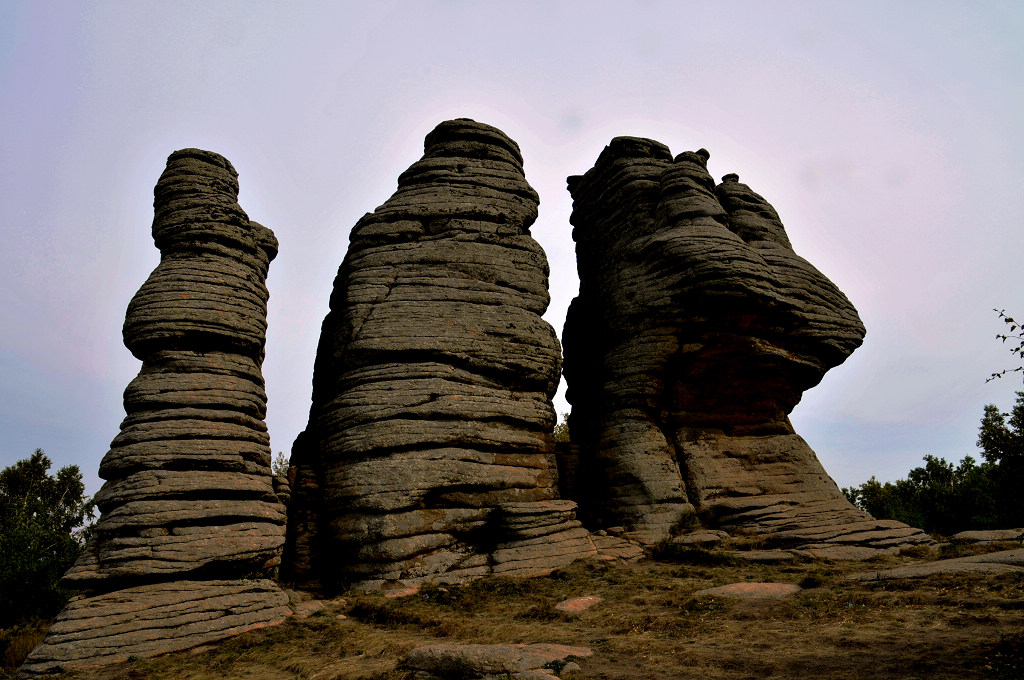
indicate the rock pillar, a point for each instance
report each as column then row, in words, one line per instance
column 431, row 407
column 696, row 331
column 190, row 531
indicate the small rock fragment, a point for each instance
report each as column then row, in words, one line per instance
column 578, row 604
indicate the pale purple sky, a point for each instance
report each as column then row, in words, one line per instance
column 886, row 134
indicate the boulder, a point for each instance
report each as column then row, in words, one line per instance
column 429, row 447
column 696, row 331
column 188, row 510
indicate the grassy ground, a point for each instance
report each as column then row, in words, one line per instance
column 650, row 625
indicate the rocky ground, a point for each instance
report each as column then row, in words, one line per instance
column 682, row 611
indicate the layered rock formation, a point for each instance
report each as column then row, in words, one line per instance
column 191, row 530
column 428, row 452
column 695, row 333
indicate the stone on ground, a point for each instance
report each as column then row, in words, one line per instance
column 751, row 590
column 1003, row 562
column 989, row 536
column 578, row 604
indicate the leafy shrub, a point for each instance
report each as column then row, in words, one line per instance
column 943, row 498
column 40, row 538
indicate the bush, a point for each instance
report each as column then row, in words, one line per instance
column 938, row 498
column 561, row 432
column 941, row 498
column 41, row 536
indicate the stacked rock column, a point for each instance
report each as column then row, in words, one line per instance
column 191, row 531
column 433, row 384
column 695, row 333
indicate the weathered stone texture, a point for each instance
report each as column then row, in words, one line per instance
column 189, row 499
column 695, row 333
column 434, row 375
column 144, row 621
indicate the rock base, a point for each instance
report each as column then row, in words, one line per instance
column 536, row 538
column 775, row 487
column 154, row 619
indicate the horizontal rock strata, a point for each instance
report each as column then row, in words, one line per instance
column 144, row 621
column 189, row 502
column 695, row 333
column 431, row 418
column 1001, row 562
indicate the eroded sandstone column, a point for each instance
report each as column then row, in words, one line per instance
column 190, row 531
column 429, row 452
column 695, row 333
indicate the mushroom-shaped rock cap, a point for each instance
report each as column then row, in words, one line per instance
column 466, row 137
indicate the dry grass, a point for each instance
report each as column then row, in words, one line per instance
column 650, row 625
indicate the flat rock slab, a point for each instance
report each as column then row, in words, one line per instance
column 578, row 604
column 991, row 563
column 522, row 661
column 764, row 556
column 154, row 619
column 751, row 591
column 703, row 537
column 401, row 591
column 989, row 536
column 842, row 552
column 615, row 548
column 304, row 610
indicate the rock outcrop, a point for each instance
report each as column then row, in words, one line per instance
column 190, row 528
column 695, row 333
column 428, row 452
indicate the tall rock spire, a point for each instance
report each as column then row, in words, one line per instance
column 190, row 530
column 429, row 452
column 695, row 333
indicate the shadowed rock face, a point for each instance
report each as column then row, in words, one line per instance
column 188, row 508
column 695, row 333
column 428, row 449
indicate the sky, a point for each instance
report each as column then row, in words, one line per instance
column 887, row 135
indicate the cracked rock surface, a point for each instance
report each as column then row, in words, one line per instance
column 429, row 441
column 188, row 510
column 696, row 331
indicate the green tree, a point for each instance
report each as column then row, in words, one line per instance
column 1001, row 439
column 943, row 498
column 939, row 497
column 41, row 536
column 279, row 466
column 562, row 429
